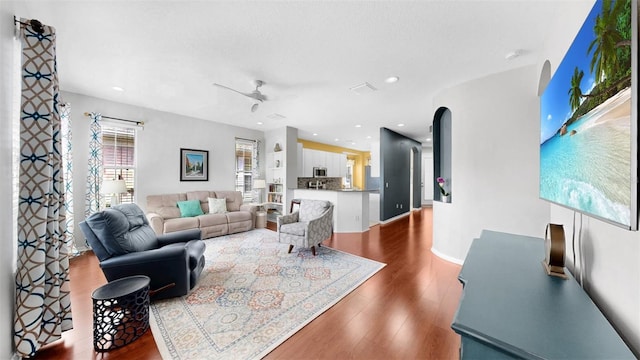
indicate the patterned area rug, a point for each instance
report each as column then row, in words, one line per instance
column 252, row 296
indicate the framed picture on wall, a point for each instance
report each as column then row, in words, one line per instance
column 194, row 165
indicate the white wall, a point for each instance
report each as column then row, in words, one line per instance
column 611, row 269
column 495, row 136
column 158, row 149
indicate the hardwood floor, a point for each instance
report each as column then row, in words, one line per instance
column 402, row 312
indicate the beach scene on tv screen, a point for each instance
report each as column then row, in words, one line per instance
column 585, row 117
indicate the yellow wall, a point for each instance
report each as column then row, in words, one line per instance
column 360, row 158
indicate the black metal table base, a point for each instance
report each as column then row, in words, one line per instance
column 120, row 312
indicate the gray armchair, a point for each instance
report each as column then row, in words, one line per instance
column 307, row 227
column 126, row 245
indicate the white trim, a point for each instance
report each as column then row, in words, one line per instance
column 398, row 217
column 447, row 257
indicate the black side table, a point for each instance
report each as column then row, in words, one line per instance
column 120, row 312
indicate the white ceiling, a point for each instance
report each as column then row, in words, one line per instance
column 166, row 55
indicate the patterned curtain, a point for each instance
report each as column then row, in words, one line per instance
column 67, row 172
column 94, row 200
column 43, row 304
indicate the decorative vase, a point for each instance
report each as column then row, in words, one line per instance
column 444, row 198
column 277, row 147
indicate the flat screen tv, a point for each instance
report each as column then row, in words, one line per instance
column 588, row 119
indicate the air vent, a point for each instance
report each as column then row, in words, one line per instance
column 364, row 88
column 275, row 116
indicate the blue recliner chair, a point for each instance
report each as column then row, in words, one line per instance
column 126, row 245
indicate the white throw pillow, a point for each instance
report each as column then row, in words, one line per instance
column 217, row 206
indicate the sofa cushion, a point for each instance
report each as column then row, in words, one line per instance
column 201, row 196
column 238, row 216
column 217, row 206
column 189, row 208
column 212, row 220
column 296, row 228
column 165, row 205
column 177, row 224
column 234, row 199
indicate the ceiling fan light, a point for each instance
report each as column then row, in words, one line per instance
column 254, row 107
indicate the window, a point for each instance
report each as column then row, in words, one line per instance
column 246, row 167
column 118, row 158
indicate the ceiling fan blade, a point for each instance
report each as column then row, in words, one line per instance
column 257, row 95
column 234, row 90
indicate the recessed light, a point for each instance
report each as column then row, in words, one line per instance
column 358, row 126
column 353, row 143
column 368, row 137
column 392, row 79
column 401, row 125
column 315, row 134
column 259, row 123
column 117, row 88
column 336, row 139
column 428, row 139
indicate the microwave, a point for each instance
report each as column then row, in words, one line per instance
column 319, row 172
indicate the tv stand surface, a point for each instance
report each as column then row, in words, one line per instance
column 512, row 309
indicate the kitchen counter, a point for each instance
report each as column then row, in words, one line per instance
column 350, row 207
column 341, row 190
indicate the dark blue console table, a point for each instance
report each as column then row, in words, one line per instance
column 511, row 309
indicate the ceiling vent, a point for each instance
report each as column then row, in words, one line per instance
column 275, row 116
column 364, row 88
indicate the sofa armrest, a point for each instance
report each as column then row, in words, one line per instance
column 249, row 207
column 253, row 209
column 179, row 236
column 157, row 223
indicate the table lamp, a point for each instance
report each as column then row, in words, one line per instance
column 115, row 188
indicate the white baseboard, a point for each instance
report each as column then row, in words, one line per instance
column 395, row 218
column 446, row 257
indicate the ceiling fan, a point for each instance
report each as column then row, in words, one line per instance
column 255, row 94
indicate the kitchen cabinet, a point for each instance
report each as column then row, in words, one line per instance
column 335, row 163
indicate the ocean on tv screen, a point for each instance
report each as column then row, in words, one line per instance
column 588, row 167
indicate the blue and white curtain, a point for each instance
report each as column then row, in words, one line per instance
column 94, row 199
column 67, row 172
column 43, row 304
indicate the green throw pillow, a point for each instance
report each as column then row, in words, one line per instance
column 190, row 208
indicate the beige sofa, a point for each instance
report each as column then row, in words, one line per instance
column 164, row 215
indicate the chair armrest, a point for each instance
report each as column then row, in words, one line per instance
column 287, row 219
column 157, row 223
column 179, row 236
column 320, row 228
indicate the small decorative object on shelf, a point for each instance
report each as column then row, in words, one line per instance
column 444, row 194
column 277, row 148
column 277, row 163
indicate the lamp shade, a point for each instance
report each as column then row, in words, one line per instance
column 259, row 184
column 113, row 187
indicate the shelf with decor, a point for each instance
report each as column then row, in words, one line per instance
column 276, row 174
column 274, row 200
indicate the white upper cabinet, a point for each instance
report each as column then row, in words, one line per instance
column 335, row 163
